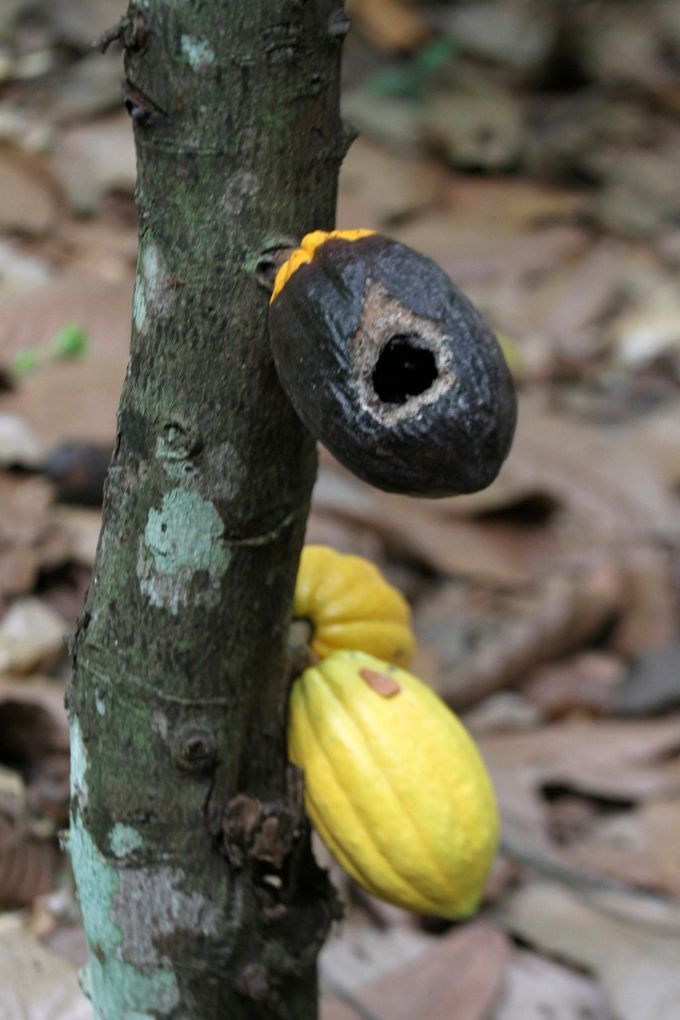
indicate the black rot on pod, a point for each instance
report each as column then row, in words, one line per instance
column 390, row 366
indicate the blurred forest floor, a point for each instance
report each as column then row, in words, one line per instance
column 532, row 148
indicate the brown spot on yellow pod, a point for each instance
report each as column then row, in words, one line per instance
column 380, row 682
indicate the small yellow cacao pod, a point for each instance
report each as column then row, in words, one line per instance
column 394, row 784
column 350, row 605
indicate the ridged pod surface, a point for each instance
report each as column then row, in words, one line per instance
column 350, row 605
column 390, row 366
column 394, row 785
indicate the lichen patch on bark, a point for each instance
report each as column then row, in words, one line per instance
column 124, row 840
column 124, row 986
column 153, row 290
column 79, row 791
column 152, row 905
column 240, row 187
column 224, row 461
column 182, row 542
column 198, row 53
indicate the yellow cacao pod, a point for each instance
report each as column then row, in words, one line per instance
column 350, row 605
column 394, row 784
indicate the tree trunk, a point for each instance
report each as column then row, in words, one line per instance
column 199, row 895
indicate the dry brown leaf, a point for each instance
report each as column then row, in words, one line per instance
column 416, row 531
column 80, row 25
column 570, row 816
column 27, row 203
column 504, row 712
column 323, row 529
column 19, row 269
column 614, row 762
column 658, row 440
column 12, row 793
column 636, row 965
column 378, row 912
column 661, row 820
column 538, row 989
column 459, row 978
column 641, row 196
column 623, row 45
column 33, row 721
column 387, row 119
column 81, row 90
column 34, row 740
column 70, row 399
column 487, row 639
column 363, row 200
column 508, row 205
column 475, row 130
column 617, row 760
column 390, row 24
column 81, row 528
column 26, row 865
column 636, row 847
column 584, row 683
column 67, row 941
column 594, row 744
column 652, row 684
column 35, row 984
column 517, row 35
column 469, row 255
column 29, row 538
column 18, row 571
column 65, row 591
column 31, row 635
column 99, row 306
column 48, row 794
column 609, row 492
column 19, row 446
column 78, row 471
column 652, row 603
column 649, row 330
column 567, row 307
column 93, row 158
column 668, row 246
column 504, row 873
column 358, row 953
column 104, row 243
column 25, row 503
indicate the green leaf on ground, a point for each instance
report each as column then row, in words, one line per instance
column 71, row 341
column 24, row 362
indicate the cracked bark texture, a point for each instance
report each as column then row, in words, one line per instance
column 199, row 895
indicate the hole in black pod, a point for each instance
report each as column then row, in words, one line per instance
column 403, row 370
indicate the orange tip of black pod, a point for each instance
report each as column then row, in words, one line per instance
column 308, row 245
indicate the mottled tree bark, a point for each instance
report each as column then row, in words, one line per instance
column 198, row 892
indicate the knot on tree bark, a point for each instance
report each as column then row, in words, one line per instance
column 263, row 834
column 132, row 31
column 268, row 848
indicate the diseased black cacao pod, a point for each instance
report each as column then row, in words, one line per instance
column 390, row 366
